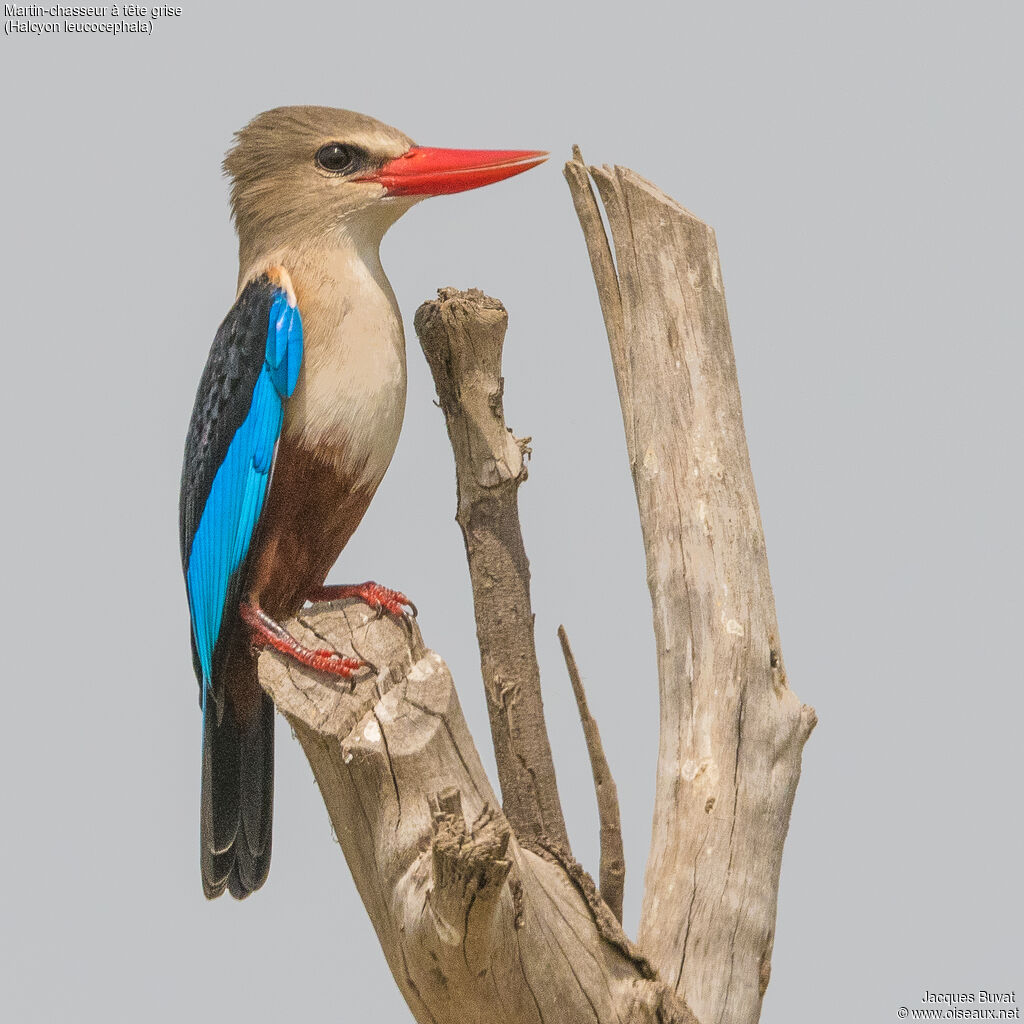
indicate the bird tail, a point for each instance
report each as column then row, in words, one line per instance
column 237, row 804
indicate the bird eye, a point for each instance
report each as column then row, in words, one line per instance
column 336, row 157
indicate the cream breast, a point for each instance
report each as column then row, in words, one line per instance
column 349, row 401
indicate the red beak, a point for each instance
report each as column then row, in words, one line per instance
column 435, row 172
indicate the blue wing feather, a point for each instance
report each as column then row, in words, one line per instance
column 286, row 358
column 232, row 509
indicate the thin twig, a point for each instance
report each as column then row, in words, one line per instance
column 613, row 860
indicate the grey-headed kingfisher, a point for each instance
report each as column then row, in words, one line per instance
column 296, row 419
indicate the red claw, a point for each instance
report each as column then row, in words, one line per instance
column 272, row 634
column 381, row 599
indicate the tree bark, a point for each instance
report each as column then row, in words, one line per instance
column 732, row 731
column 462, row 334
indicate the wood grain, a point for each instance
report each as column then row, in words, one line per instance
column 731, row 730
column 476, row 928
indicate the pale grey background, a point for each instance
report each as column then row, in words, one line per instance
column 862, row 167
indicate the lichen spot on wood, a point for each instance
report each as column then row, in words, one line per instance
column 421, row 670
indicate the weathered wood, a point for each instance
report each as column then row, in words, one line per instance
column 462, row 334
column 476, row 928
column 731, row 729
column 612, row 873
column 469, row 869
column 485, row 916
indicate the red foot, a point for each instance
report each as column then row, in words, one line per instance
column 273, row 634
column 382, row 599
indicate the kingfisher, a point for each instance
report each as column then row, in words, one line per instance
column 296, row 418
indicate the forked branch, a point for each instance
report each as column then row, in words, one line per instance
column 484, row 916
column 476, row 928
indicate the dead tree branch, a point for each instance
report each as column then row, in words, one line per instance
column 484, row 916
column 462, row 334
column 476, row 928
column 731, row 729
column 613, row 860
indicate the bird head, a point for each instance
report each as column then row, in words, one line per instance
column 315, row 176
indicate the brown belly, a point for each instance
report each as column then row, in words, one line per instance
column 310, row 513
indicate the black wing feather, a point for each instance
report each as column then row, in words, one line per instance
column 222, row 404
column 238, row 757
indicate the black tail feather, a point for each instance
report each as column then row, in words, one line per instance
column 237, row 800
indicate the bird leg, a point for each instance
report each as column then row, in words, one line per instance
column 270, row 633
column 380, row 598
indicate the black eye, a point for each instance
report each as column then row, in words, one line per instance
column 336, row 157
